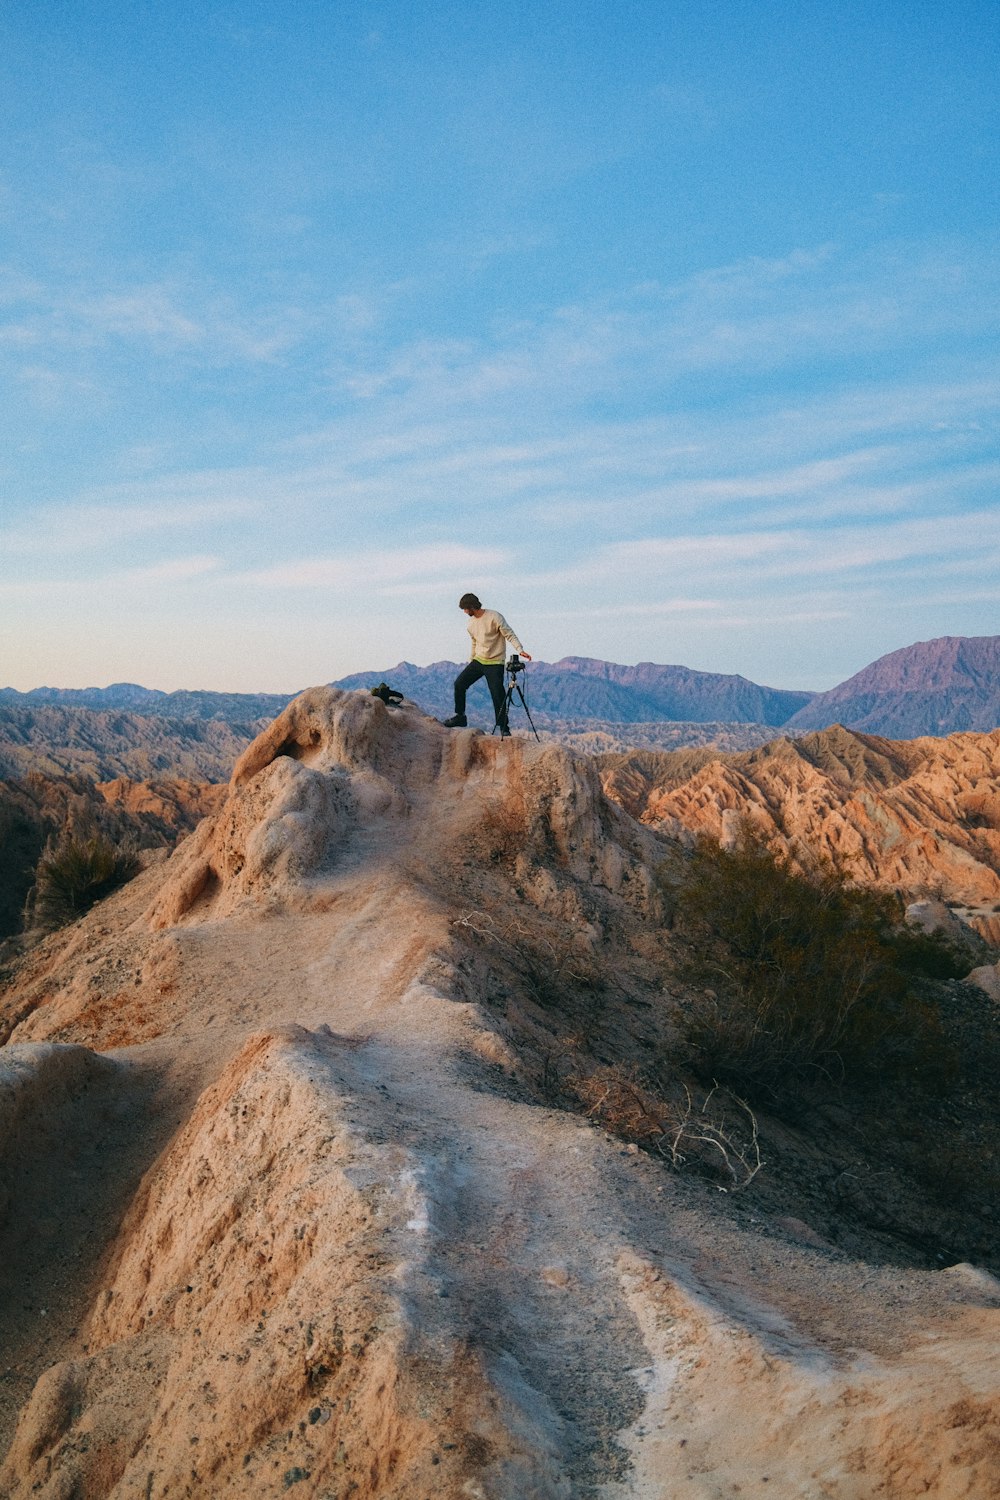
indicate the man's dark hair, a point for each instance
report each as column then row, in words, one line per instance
column 469, row 601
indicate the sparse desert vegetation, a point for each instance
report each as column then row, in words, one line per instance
column 77, row 869
column 38, row 812
column 797, row 972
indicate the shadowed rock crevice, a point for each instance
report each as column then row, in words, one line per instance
column 76, row 1133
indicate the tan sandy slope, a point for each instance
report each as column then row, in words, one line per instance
column 280, row 1214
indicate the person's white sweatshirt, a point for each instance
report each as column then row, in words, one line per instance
column 490, row 634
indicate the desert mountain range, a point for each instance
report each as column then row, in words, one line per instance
column 319, row 1161
column 582, row 688
column 104, row 744
column 234, row 708
column 933, row 687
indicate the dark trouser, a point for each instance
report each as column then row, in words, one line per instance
column 494, row 681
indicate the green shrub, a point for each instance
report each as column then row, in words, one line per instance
column 76, row 870
column 807, row 974
column 932, row 954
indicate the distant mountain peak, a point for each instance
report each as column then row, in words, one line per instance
column 932, row 687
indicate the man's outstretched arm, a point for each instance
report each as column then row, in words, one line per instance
column 507, row 632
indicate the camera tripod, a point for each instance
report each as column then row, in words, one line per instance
column 514, row 666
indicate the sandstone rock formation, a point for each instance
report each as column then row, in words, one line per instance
column 987, row 977
column 340, row 1245
column 56, row 739
column 604, row 736
column 919, row 816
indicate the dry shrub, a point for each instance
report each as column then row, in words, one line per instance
column 77, row 869
column 22, row 839
column 806, row 973
column 954, row 1173
column 545, row 955
column 713, row 1133
column 933, row 954
column 503, row 830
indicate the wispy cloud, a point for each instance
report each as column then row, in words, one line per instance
column 755, row 315
column 376, row 570
column 648, row 610
column 746, row 559
column 143, row 313
column 158, row 579
column 161, row 317
column 173, row 570
column 61, row 530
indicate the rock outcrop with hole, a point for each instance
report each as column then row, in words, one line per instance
column 340, row 1241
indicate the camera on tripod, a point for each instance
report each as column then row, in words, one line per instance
column 514, row 690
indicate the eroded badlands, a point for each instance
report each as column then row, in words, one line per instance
column 284, row 1209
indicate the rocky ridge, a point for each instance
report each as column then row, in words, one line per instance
column 918, row 816
column 148, row 777
column 103, row 745
column 351, row 1249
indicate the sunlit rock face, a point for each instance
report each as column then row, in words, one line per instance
column 339, row 777
column 919, row 816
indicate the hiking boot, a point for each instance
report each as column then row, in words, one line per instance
column 505, row 733
column 457, row 721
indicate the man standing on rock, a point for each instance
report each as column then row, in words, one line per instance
column 490, row 634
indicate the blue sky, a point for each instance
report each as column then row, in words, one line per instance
column 669, row 328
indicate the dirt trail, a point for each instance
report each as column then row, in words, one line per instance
column 365, row 1261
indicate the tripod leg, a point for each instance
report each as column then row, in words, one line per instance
column 516, row 686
